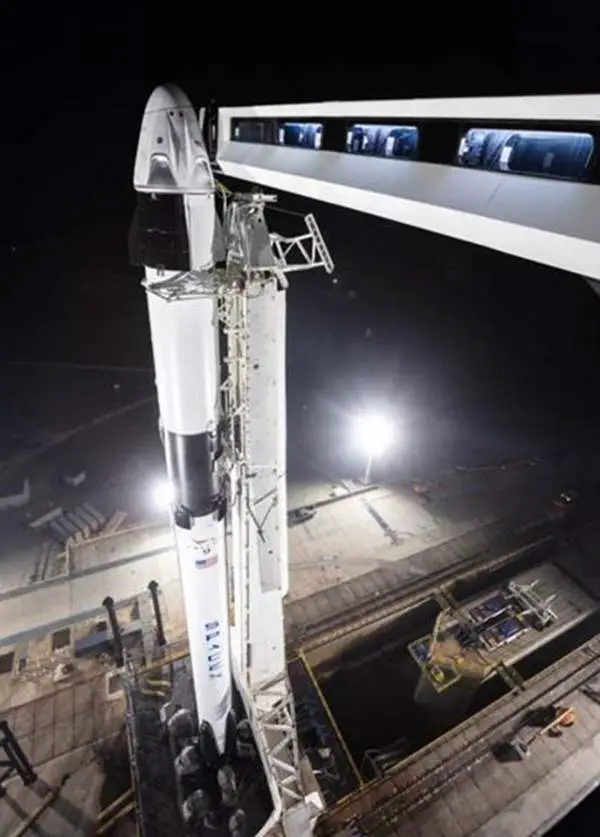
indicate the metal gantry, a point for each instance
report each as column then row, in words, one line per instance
column 255, row 256
column 471, row 660
column 13, row 759
column 302, row 252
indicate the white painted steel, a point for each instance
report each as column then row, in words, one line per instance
column 201, row 552
column 545, row 220
column 184, row 345
column 171, row 159
column 267, row 431
column 267, row 485
column 582, row 108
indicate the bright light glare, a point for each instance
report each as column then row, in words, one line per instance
column 163, row 493
column 374, row 434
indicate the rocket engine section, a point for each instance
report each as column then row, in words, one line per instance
column 178, row 243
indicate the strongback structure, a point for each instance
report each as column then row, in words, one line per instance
column 252, row 314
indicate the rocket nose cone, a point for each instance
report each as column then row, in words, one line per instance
column 171, row 157
column 167, row 97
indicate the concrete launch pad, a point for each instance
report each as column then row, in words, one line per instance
column 459, row 783
column 468, row 782
column 64, row 734
column 393, row 569
column 159, row 796
column 349, row 534
column 335, row 769
column 369, row 681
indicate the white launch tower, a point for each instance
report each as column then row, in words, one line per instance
column 252, row 311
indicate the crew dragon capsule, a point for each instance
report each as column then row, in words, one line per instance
column 178, row 242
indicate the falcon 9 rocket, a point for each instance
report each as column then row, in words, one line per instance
column 179, row 240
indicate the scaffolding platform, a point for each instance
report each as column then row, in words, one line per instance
column 158, row 794
column 441, row 677
column 508, row 631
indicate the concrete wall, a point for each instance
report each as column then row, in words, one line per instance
column 47, row 605
column 329, row 655
column 118, row 546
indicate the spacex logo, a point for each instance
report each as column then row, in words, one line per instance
column 212, row 637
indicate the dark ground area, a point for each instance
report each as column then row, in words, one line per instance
column 381, row 677
column 41, row 400
column 370, row 686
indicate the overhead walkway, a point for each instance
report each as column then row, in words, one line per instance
column 552, row 221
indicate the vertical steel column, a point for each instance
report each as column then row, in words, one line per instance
column 109, row 604
column 160, row 631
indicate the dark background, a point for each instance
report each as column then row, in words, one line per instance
column 461, row 341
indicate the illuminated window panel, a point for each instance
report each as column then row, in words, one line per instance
column 383, row 140
column 546, row 153
column 301, row 134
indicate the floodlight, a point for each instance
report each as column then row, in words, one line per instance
column 163, row 494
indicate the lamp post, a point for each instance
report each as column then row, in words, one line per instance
column 374, row 435
column 367, row 474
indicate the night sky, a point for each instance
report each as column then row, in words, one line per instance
column 446, row 333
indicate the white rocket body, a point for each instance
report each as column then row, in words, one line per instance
column 171, row 160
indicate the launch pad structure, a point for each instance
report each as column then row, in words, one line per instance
column 359, row 155
column 224, row 441
column 216, row 296
column 420, row 776
column 216, row 300
column 258, row 257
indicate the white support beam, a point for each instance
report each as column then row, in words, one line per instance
column 582, row 108
column 549, row 221
column 553, row 222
